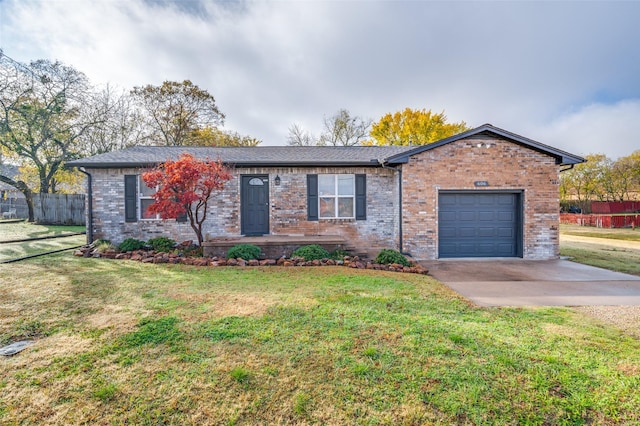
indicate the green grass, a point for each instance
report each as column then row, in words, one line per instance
column 124, row 342
column 15, row 250
column 614, row 259
column 626, row 234
column 621, row 259
column 24, row 230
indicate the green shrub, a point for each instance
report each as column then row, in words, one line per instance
column 192, row 250
column 388, row 256
column 244, row 251
column 311, row 252
column 338, row 254
column 162, row 244
column 131, row 244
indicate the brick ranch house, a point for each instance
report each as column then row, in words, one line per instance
column 483, row 193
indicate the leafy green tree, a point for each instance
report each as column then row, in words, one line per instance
column 173, row 111
column 414, row 127
column 625, row 175
column 43, row 115
column 585, row 182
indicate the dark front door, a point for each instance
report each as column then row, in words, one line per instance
column 254, row 201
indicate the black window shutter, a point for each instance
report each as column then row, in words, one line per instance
column 312, row 197
column 361, row 197
column 130, row 198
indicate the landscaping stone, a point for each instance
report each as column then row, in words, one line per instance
column 151, row 256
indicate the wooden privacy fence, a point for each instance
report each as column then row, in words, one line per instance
column 64, row 209
column 602, row 220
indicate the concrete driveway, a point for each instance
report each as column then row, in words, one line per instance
column 517, row 282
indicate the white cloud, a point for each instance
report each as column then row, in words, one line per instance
column 597, row 128
column 533, row 68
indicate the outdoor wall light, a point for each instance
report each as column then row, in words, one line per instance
column 277, row 180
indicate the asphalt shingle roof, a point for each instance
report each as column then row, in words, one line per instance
column 141, row 156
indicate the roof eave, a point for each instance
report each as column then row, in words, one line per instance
column 119, row 165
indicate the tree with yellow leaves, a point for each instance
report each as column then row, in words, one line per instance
column 212, row 136
column 414, row 127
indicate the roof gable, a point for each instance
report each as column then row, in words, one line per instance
column 562, row 157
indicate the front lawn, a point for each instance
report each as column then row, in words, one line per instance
column 122, row 342
column 25, row 230
column 614, row 249
column 625, row 234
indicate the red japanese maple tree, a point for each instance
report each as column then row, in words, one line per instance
column 184, row 187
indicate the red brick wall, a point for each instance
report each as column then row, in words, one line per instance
column 504, row 165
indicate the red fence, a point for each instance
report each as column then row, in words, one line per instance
column 601, row 220
column 606, row 207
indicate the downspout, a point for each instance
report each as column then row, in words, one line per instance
column 399, row 171
column 568, row 168
column 89, row 206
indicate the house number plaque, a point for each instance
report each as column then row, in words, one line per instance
column 481, row 183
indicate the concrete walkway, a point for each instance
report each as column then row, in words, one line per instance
column 517, row 282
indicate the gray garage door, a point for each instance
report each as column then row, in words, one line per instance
column 479, row 224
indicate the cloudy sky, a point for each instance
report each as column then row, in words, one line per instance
column 563, row 73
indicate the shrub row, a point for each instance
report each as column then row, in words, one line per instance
column 161, row 244
column 246, row 255
column 150, row 256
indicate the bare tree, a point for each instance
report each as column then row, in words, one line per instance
column 300, row 137
column 341, row 129
column 120, row 125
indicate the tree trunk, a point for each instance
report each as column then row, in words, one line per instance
column 22, row 187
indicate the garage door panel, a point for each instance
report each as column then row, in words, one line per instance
column 463, row 201
column 448, row 200
column 486, row 216
column 448, row 250
column 466, row 216
column 466, row 232
column 448, row 232
column 486, row 232
column 505, row 232
column 479, row 225
column 506, row 249
column 465, row 246
column 506, row 216
column 484, row 201
column 486, row 249
column 506, row 201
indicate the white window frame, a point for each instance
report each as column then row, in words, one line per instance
column 142, row 196
column 337, row 196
